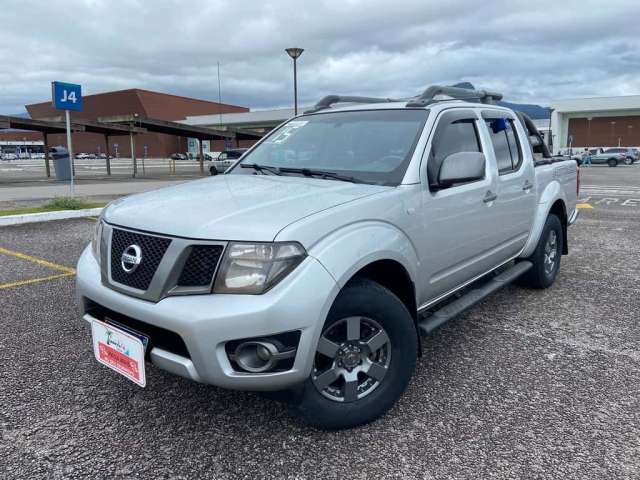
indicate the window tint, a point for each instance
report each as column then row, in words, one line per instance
column 505, row 144
column 453, row 137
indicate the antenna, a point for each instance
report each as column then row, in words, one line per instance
column 219, row 97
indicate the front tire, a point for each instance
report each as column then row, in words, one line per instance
column 612, row 162
column 546, row 257
column 364, row 360
column 628, row 161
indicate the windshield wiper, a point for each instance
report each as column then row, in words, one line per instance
column 307, row 172
column 262, row 168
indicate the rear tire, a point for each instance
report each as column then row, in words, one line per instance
column 213, row 171
column 364, row 360
column 546, row 257
column 612, row 162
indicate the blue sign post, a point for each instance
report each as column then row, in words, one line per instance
column 67, row 97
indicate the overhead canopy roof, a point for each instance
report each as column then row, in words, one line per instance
column 255, row 119
column 92, row 126
column 126, row 124
column 170, row 128
column 43, row 126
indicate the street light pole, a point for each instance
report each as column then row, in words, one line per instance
column 294, row 53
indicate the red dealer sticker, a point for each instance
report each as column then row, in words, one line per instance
column 119, row 350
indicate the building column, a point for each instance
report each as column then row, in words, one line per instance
column 201, row 150
column 47, row 164
column 108, row 154
column 559, row 130
column 133, row 153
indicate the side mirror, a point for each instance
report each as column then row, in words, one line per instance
column 535, row 141
column 461, row 167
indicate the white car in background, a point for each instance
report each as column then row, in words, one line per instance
column 224, row 160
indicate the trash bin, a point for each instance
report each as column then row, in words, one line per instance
column 61, row 162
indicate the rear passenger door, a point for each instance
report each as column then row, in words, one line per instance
column 458, row 221
column 516, row 201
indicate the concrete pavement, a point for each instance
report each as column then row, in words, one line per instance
column 87, row 189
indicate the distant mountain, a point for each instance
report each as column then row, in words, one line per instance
column 532, row 110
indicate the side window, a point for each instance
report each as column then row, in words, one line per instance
column 452, row 136
column 505, row 144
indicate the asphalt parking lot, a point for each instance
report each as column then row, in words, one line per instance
column 529, row 384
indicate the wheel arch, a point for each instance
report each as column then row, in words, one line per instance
column 377, row 251
column 392, row 275
column 559, row 209
column 552, row 201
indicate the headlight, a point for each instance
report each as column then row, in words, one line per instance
column 253, row 268
column 97, row 237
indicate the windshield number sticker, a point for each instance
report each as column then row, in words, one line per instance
column 288, row 130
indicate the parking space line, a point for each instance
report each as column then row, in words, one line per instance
column 30, row 281
column 583, row 205
column 39, row 261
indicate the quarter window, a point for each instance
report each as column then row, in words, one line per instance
column 505, row 144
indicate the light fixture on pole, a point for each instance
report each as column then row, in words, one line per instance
column 294, row 53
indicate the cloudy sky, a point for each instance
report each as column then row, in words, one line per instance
column 532, row 51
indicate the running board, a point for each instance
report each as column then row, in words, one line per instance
column 472, row 297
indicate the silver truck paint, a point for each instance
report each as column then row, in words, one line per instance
column 443, row 239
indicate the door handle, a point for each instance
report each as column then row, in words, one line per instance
column 489, row 197
column 527, row 185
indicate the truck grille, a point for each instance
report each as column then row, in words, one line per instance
column 200, row 266
column 153, row 249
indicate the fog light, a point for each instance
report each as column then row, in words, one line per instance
column 263, row 353
column 259, row 356
column 256, row 357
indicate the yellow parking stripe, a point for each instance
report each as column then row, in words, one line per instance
column 583, row 205
column 35, row 280
column 39, row 261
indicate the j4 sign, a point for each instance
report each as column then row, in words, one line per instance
column 66, row 96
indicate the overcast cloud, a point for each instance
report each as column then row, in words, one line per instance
column 531, row 51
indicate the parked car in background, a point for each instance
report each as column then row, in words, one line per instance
column 600, row 156
column 178, row 156
column 572, row 153
column 82, row 155
column 225, row 160
column 630, row 154
column 9, row 156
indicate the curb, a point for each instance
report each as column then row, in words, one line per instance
column 48, row 216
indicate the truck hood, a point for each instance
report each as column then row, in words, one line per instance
column 233, row 207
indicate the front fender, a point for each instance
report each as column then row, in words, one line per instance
column 346, row 251
column 552, row 192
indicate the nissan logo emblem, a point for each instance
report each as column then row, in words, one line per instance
column 131, row 258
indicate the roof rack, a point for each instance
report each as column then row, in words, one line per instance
column 329, row 100
column 428, row 96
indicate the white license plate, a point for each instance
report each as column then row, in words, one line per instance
column 119, row 350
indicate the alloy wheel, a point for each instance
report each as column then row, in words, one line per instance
column 352, row 359
column 550, row 253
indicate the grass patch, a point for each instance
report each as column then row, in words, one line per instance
column 57, row 204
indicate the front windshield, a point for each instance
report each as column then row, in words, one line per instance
column 369, row 146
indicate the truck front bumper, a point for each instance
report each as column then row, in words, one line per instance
column 207, row 322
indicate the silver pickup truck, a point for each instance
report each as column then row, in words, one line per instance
column 343, row 234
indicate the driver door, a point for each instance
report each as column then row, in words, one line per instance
column 459, row 221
